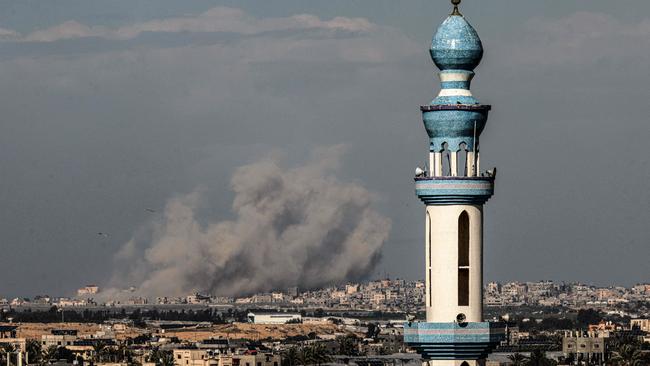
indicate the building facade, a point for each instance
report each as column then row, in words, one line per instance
column 202, row 357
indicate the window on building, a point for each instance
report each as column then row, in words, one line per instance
column 463, row 287
column 463, row 259
column 463, row 240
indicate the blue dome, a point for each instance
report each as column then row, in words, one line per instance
column 456, row 45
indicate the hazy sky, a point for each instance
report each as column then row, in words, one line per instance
column 110, row 108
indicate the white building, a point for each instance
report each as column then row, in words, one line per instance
column 275, row 318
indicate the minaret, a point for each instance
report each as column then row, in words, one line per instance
column 454, row 191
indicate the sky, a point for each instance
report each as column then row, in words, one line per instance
column 113, row 111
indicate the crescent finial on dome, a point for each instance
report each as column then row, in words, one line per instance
column 456, row 11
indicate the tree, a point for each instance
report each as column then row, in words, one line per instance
column 99, row 350
column 518, row 359
column 5, row 353
column 123, row 352
column 373, row 330
column 320, row 354
column 587, row 317
column 305, row 356
column 166, row 359
column 48, row 355
column 538, row 358
column 34, row 351
column 629, row 355
column 161, row 357
column 290, row 357
column 347, row 345
column 62, row 353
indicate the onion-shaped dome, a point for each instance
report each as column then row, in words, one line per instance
column 456, row 45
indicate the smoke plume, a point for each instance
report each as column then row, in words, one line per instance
column 292, row 226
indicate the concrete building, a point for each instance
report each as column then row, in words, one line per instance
column 641, row 324
column 88, row 290
column 59, row 338
column 454, row 191
column 203, row 357
column 275, row 318
column 8, row 338
column 585, row 346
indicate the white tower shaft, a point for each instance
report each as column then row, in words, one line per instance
column 454, row 263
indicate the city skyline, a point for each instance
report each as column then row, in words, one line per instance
column 114, row 114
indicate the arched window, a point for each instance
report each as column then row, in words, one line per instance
column 445, row 156
column 464, row 364
column 462, row 160
column 463, row 259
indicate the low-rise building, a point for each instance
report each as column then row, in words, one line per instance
column 58, row 338
column 274, row 318
column 641, row 324
column 587, row 346
column 203, row 357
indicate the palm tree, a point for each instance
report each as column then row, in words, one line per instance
column 305, row 356
column 4, row 355
column 154, row 355
column 290, row 357
column 123, row 352
column 166, row 359
column 320, row 354
column 99, row 350
column 33, row 351
column 49, row 354
column 628, row 355
column 7, row 349
column 347, row 345
column 538, row 358
column 518, row 359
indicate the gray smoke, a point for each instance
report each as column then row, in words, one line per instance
column 296, row 226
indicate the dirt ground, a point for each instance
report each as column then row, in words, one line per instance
column 232, row 331
column 254, row 331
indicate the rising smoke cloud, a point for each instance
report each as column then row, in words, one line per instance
column 293, row 226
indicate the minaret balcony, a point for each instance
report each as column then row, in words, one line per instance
column 454, row 190
column 449, row 341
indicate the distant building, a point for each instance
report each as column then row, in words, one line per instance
column 88, row 290
column 351, row 289
column 641, row 324
column 202, row 357
column 585, row 346
column 277, row 318
column 197, row 299
column 59, row 338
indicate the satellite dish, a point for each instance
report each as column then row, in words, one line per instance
column 419, row 172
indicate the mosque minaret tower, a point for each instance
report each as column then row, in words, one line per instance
column 454, row 190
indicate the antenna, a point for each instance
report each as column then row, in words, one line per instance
column 475, row 152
